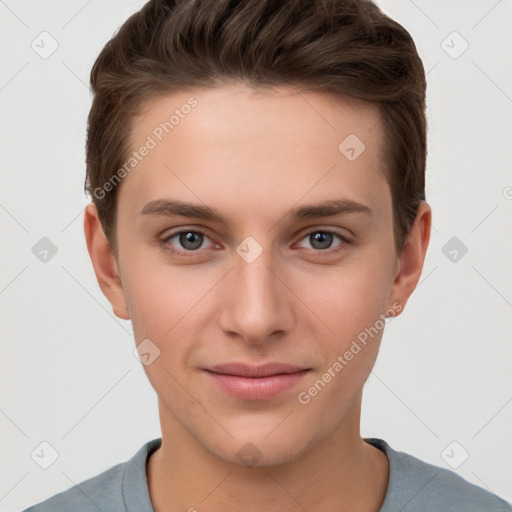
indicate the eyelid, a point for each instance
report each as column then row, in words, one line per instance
column 179, row 231
column 344, row 233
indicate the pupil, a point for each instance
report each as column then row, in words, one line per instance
column 322, row 237
column 187, row 240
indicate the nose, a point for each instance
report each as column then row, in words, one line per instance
column 258, row 303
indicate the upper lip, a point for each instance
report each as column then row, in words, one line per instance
column 248, row 370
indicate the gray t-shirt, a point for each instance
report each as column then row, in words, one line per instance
column 414, row 486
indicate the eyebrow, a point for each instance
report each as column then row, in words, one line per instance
column 175, row 207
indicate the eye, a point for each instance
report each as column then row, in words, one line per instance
column 322, row 240
column 188, row 240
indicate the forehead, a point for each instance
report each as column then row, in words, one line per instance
column 236, row 143
column 234, row 111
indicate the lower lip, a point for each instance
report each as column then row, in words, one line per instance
column 256, row 388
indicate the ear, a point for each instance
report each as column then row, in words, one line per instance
column 104, row 262
column 412, row 257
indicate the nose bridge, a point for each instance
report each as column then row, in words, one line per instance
column 258, row 303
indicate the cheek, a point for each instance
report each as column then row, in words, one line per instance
column 164, row 306
column 161, row 298
column 348, row 299
column 354, row 311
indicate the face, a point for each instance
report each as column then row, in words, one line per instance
column 256, row 253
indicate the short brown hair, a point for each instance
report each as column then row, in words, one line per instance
column 345, row 47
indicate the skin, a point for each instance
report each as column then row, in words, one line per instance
column 254, row 155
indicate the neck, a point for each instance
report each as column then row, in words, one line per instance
column 341, row 473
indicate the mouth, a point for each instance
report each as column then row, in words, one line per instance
column 256, row 382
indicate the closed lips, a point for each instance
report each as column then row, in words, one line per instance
column 255, row 382
column 260, row 371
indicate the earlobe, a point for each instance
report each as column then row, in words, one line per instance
column 412, row 257
column 104, row 262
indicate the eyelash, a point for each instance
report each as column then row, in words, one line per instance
column 188, row 254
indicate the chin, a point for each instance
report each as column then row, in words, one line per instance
column 261, row 453
column 264, row 443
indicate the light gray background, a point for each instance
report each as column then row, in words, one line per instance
column 68, row 374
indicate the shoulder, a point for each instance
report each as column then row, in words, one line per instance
column 110, row 490
column 415, row 485
column 102, row 492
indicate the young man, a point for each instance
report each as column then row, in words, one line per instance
column 256, row 171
